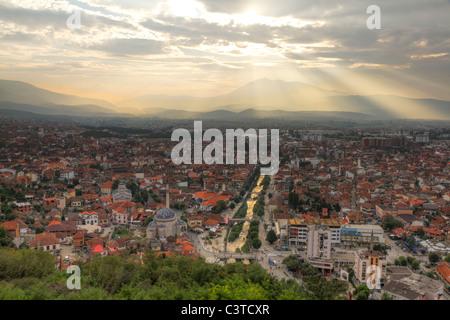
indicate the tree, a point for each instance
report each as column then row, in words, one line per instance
column 411, row 241
column 148, row 220
column 220, row 206
column 434, row 258
column 293, row 200
column 292, row 263
column 380, row 248
column 5, row 239
column 420, row 232
column 389, row 222
column 271, row 237
column 403, row 261
column 415, row 264
column 386, row 296
column 362, row 292
column 320, row 288
column 307, row 269
column 256, row 243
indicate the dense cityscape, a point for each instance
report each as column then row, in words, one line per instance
column 342, row 200
column 212, row 158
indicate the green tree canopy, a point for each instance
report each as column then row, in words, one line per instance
column 271, row 236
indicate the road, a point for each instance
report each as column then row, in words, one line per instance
column 210, row 252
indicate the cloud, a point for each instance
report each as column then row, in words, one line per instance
column 205, row 37
column 130, row 47
column 428, row 56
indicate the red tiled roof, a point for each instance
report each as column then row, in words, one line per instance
column 10, row 225
column 443, row 268
column 98, row 249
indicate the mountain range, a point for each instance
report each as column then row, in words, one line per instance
column 260, row 99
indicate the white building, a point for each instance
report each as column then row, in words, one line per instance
column 319, row 243
column 89, row 218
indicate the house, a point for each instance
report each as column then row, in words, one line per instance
column 209, row 204
column 211, row 224
column 75, row 202
column 443, row 271
column 23, row 227
column 155, row 245
column 89, row 218
column 112, row 248
column 66, row 174
column 106, row 188
column 434, row 233
column 403, row 284
column 45, row 241
column 103, row 219
column 99, row 250
column 409, row 220
column 74, row 218
column 122, row 211
column 382, row 210
column 23, row 207
column 64, row 229
column 105, row 201
column 53, row 215
column 195, row 222
column 12, row 227
column 367, row 208
column 49, row 203
column 78, row 240
column 120, row 216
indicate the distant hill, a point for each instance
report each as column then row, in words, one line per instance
column 61, row 110
column 276, row 95
column 261, row 99
column 23, row 93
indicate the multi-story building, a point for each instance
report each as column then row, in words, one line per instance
column 120, row 216
column 370, row 268
column 404, row 284
column 319, row 242
column 23, row 207
column 90, row 218
column 361, row 235
column 298, row 231
column 61, row 203
column 122, row 193
column 382, row 210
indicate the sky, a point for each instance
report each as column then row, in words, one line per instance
column 124, row 48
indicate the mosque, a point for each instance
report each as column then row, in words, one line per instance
column 165, row 223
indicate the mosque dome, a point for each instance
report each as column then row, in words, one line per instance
column 165, row 214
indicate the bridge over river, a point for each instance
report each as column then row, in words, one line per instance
column 236, row 256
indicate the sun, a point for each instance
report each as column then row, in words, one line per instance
column 250, row 17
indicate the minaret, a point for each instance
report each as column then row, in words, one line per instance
column 167, row 197
column 371, row 242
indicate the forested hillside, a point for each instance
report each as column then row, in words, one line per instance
column 29, row 274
